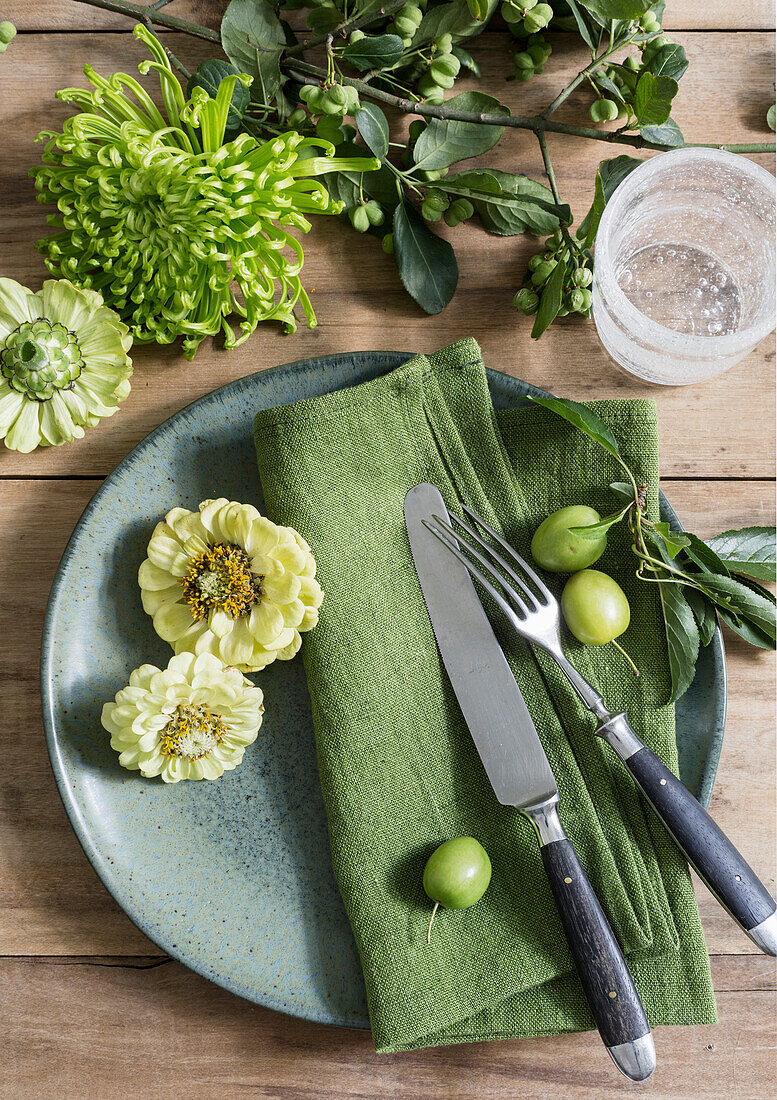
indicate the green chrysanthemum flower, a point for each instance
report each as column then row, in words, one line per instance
column 176, row 227
column 191, row 720
column 63, row 363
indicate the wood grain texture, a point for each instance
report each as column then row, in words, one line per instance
column 723, row 428
column 37, row 15
column 122, row 1030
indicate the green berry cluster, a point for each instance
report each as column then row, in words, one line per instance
column 625, row 75
column 576, row 295
column 443, row 68
column 366, row 214
column 526, row 17
column 438, row 205
column 406, row 22
column 531, row 58
column 7, row 32
column 331, row 99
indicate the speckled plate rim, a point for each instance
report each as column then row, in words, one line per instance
column 384, row 360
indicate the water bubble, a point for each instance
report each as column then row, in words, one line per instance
column 698, row 292
column 714, row 290
column 659, row 259
column 714, row 328
column 721, row 279
column 648, row 293
column 703, row 281
column 671, row 252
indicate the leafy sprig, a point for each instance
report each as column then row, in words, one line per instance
column 696, row 580
column 406, row 55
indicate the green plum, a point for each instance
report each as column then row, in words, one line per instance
column 595, row 607
column 558, row 551
column 456, row 875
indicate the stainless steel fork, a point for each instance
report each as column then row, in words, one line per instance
column 533, row 612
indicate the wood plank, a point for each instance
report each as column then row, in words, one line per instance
column 90, row 1029
column 723, row 428
column 49, row 15
column 51, row 902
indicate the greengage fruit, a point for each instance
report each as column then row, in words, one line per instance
column 556, row 549
column 595, row 607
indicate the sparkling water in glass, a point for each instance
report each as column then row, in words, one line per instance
column 684, row 265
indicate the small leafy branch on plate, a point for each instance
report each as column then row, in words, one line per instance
column 405, row 54
column 698, row 581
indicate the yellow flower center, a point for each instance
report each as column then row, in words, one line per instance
column 192, row 732
column 220, row 579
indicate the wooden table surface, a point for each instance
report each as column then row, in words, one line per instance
column 91, row 1007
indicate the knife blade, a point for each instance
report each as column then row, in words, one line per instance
column 516, row 765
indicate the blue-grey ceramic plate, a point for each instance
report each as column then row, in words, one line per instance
column 232, row 878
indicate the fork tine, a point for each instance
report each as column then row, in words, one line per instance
column 461, row 541
column 513, row 554
column 532, row 596
column 473, row 572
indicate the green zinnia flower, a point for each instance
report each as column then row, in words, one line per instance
column 176, row 227
column 63, row 363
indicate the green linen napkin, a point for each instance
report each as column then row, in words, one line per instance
column 399, row 771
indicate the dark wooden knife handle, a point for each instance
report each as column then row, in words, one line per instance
column 608, row 986
column 709, row 851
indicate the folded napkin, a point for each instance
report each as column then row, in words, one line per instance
column 399, row 771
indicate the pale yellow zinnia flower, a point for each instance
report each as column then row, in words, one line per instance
column 228, row 581
column 192, row 720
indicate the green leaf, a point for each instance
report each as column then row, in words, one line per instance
column 670, row 61
column 467, row 60
column 623, row 489
column 750, row 550
column 668, row 133
column 653, row 99
column 427, row 264
column 444, row 142
column 704, row 614
column 701, row 555
column 550, row 300
column 594, row 531
column 771, row 117
column 478, row 9
column 373, row 127
column 609, row 174
column 253, row 40
column 209, row 75
column 674, row 541
column 583, row 418
column 454, row 19
column 507, row 204
column 747, row 609
column 582, row 25
column 605, row 10
column 379, row 52
column 682, row 637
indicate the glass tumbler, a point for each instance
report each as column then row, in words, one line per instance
column 684, row 265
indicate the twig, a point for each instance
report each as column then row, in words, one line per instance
column 362, row 20
column 304, row 73
column 144, row 13
column 584, row 74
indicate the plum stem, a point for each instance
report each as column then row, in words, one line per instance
column 431, row 920
column 631, row 664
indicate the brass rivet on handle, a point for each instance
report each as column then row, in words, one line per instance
column 613, row 994
column 567, row 880
column 663, row 782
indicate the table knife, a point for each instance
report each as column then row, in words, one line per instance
column 519, row 772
